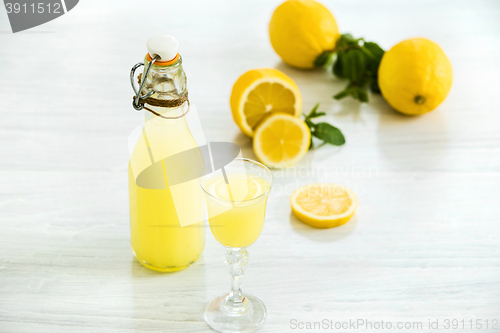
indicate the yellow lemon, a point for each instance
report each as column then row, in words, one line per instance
column 281, row 140
column 260, row 92
column 300, row 30
column 323, row 205
column 415, row 76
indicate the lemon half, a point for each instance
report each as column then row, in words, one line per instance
column 261, row 92
column 323, row 205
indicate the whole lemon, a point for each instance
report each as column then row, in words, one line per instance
column 300, row 30
column 415, row 76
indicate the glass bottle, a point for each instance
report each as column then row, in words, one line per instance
column 158, row 240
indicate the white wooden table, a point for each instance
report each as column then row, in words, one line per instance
column 424, row 243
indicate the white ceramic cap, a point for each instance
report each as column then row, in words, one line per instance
column 165, row 46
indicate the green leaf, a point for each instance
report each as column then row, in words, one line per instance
column 366, row 51
column 318, row 114
column 377, row 54
column 354, row 93
column 323, row 59
column 347, row 38
column 344, row 93
column 374, row 86
column 358, row 61
column 356, row 69
column 345, row 65
column 374, row 49
column 337, row 68
column 314, row 109
column 309, row 123
column 362, row 95
column 313, row 113
column 324, row 131
column 328, row 133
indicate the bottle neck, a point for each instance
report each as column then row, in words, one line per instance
column 168, row 82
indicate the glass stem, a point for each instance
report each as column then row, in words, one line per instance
column 236, row 259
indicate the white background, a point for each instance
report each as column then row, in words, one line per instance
column 422, row 245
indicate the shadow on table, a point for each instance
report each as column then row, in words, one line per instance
column 412, row 142
column 323, row 235
column 245, row 144
column 296, row 73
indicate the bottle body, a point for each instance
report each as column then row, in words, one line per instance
column 158, row 240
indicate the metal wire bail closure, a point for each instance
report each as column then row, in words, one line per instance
column 135, row 102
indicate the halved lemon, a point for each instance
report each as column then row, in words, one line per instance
column 260, row 92
column 281, row 140
column 323, row 205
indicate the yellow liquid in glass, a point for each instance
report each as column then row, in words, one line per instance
column 158, row 240
column 236, row 214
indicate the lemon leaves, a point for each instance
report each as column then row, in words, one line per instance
column 323, row 131
column 357, row 61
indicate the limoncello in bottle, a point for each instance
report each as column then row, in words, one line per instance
column 158, row 239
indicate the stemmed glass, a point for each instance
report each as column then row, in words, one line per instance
column 236, row 196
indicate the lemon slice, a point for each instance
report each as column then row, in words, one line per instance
column 281, row 140
column 323, row 205
column 260, row 92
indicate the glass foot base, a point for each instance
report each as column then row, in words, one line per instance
column 218, row 318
